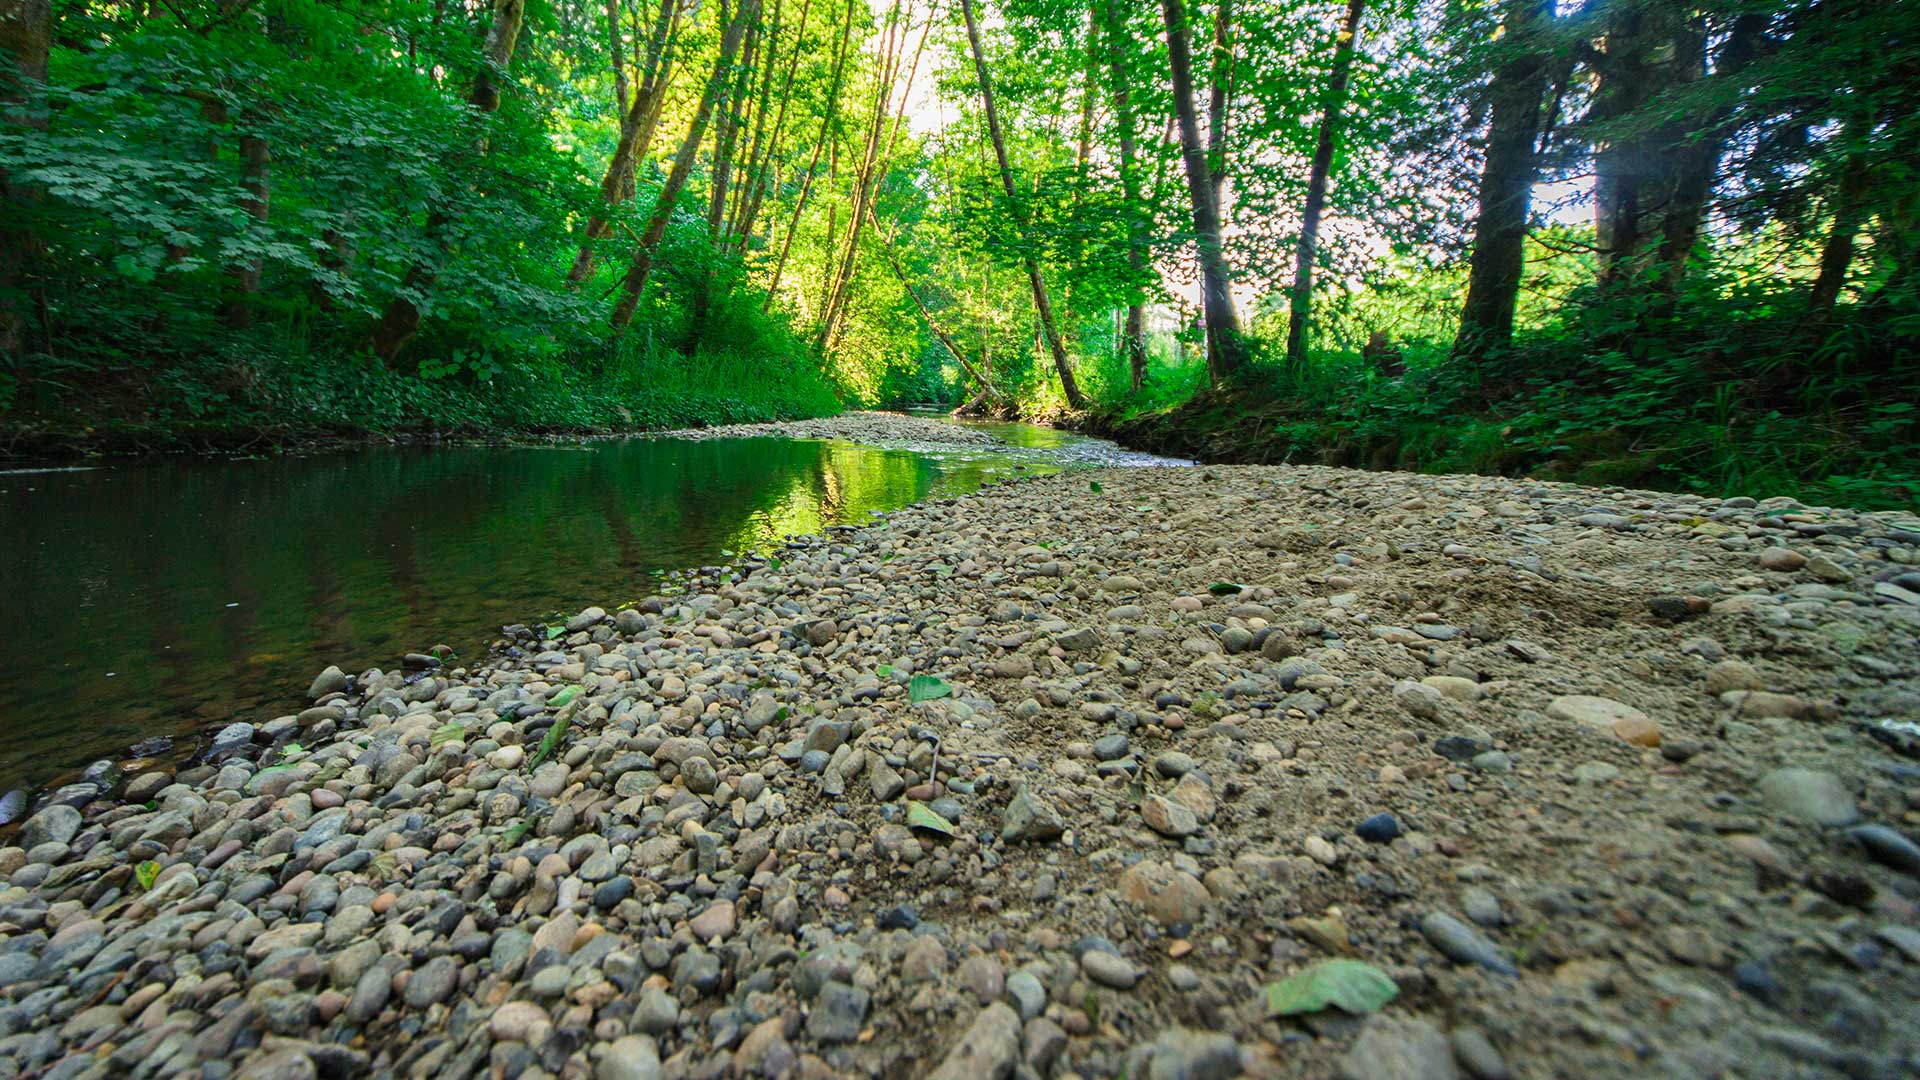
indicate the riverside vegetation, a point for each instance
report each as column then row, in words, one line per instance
column 1197, row 772
column 1619, row 241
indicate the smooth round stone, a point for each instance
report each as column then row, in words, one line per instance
column 1109, row 970
column 1809, row 796
column 1378, row 829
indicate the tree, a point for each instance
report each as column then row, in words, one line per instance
column 1226, row 350
column 641, row 266
column 1042, row 307
column 637, row 123
column 401, row 319
column 1509, row 169
column 1345, row 46
column 1134, row 337
column 26, row 36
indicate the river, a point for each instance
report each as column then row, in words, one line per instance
column 155, row 600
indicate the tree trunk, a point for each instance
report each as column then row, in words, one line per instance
column 1137, row 211
column 401, row 319
column 1697, row 158
column 1226, row 351
column 1041, row 305
column 636, row 129
column 1506, row 188
column 820, row 142
column 765, row 167
column 986, row 387
column 865, row 181
column 615, row 54
column 727, row 130
column 1219, row 96
column 26, row 37
column 502, row 36
column 1301, row 301
column 635, row 280
column 244, row 276
column 1836, row 255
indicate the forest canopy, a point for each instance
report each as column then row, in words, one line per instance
column 1635, row 241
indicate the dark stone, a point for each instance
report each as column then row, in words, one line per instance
column 1378, row 829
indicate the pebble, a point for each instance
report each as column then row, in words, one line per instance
column 1390, row 1048
column 1809, row 796
column 1108, row 969
column 630, row 1057
column 1888, row 846
column 990, row 1047
column 1378, row 829
column 1462, row 944
column 701, row 861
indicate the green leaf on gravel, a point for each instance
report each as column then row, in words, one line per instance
column 884, row 671
column 926, row 688
column 145, row 874
column 920, row 817
column 1352, row 986
column 1093, row 486
column 1224, row 588
column 564, row 695
column 452, row 731
column 555, row 631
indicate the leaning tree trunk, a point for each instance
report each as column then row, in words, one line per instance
column 1506, row 188
column 26, row 37
column 636, row 127
column 987, row 389
column 1302, row 299
column 1041, row 305
column 1226, row 350
column 1137, row 223
column 401, row 319
column 635, row 279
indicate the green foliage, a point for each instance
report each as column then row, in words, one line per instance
column 1352, row 986
column 927, row 688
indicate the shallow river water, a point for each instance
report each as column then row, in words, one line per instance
column 163, row 598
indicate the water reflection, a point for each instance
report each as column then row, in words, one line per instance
column 158, row 598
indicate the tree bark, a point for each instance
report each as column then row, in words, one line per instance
column 502, row 36
column 1318, row 177
column 244, row 276
column 1219, row 96
column 26, row 37
column 401, row 320
column 1507, row 176
column 1226, row 350
column 636, row 130
column 615, row 54
column 1041, row 305
column 1836, row 255
column 727, row 129
column 1135, row 336
column 764, row 167
column 1697, row 158
column 641, row 267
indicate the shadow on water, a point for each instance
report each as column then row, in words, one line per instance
column 157, row 599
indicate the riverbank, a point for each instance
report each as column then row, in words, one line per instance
column 1851, row 449
column 1062, row 776
column 274, row 404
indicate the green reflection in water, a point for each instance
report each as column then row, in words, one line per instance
column 158, row 598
